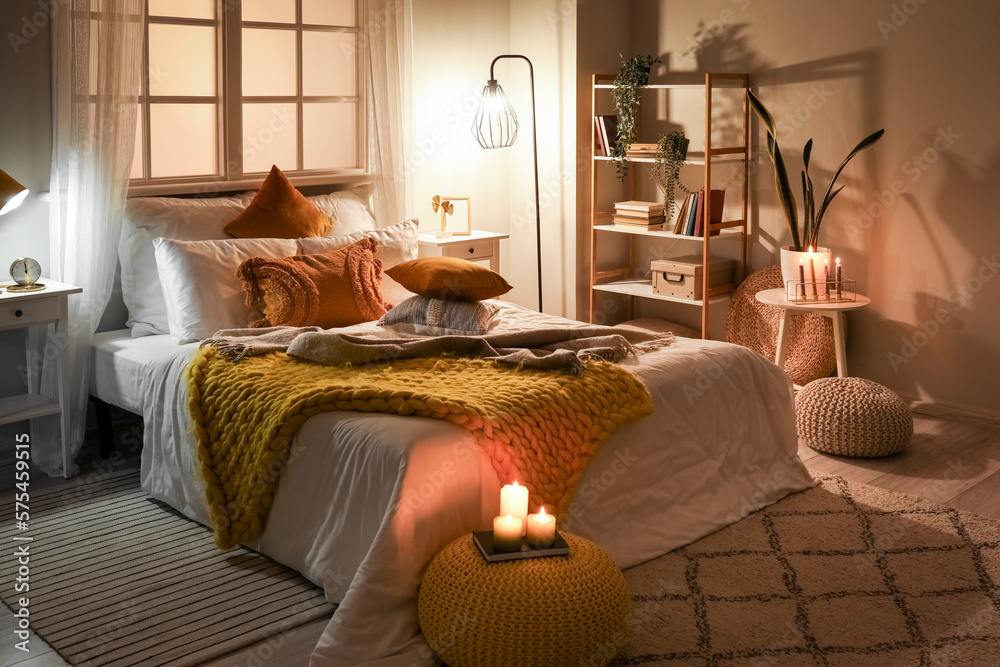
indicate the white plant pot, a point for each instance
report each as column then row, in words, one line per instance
column 791, row 260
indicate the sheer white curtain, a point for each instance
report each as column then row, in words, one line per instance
column 386, row 44
column 96, row 60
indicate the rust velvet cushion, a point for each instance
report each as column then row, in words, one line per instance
column 333, row 289
column 279, row 211
column 449, row 278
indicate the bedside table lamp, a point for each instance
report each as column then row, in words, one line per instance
column 495, row 126
column 12, row 193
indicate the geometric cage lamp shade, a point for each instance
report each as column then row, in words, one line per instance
column 12, row 193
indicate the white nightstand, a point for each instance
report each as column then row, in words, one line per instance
column 477, row 247
column 30, row 310
column 835, row 310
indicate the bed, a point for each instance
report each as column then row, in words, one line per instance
column 367, row 500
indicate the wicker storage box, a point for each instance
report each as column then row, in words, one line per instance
column 681, row 277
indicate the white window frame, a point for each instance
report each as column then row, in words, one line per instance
column 229, row 100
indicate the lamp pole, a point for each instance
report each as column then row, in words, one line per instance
column 485, row 142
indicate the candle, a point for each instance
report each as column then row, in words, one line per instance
column 801, row 290
column 838, row 277
column 812, row 271
column 541, row 529
column 514, row 501
column 506, row 533
column 826, row 277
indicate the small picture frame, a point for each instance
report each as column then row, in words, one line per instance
column 454, row 222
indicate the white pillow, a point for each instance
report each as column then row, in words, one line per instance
column 396, row 244
column 199, row 281
column 350, row 210
column 147, row 218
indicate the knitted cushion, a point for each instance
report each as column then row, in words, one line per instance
column 750, row 323
column 558, row 610
column 852, row 417
column 334, row 289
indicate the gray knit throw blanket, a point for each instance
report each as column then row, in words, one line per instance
column 561, row 349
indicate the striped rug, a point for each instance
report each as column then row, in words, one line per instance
column 119, row 579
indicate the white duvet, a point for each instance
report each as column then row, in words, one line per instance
column 367, row 500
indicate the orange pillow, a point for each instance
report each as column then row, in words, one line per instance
column 333, row 289
column 449, row 278
column 279, row 211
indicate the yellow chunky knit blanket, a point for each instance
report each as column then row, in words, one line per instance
column 538, row 427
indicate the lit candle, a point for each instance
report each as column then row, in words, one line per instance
column 541, row 529
column 812, row 271
column 514, row 501
column 801, row 291
column 826, row 277
column 838, row 277
column 506, row 533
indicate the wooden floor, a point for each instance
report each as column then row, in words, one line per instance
column 949, row 462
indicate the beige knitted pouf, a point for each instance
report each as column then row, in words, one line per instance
column 557, row 610
column 750, row 323
column 852, row 417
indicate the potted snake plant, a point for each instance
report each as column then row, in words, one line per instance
column 808, row 236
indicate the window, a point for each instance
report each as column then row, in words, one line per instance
column 230, row 88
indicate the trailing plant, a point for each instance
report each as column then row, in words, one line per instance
column 811, row 218
column 634, row 74
column 671, row 151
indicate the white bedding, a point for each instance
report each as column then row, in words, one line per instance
column 368, row 499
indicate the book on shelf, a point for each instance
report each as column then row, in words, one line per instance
column 717, row 201
column 641, row 150
column 600, row 147
column 646, row 207
column 653, row 220
column 609, row 132
column 681, row 220
column 692, row 214
column 649, row 228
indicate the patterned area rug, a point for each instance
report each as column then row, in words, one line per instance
column 119, row 579
column 838, row 575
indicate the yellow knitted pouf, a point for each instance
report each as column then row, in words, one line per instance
column 557, row 610
column 852, row 417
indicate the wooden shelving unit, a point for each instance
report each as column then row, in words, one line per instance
column 621, row 279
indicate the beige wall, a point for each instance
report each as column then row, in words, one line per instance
column 25, row 154
column 454, row 43
column 917, row 224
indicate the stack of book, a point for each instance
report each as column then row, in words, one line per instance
column 647, row 214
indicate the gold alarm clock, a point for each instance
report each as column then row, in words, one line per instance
column 25, row 272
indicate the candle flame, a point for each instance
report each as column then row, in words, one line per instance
column 542, row 512
column 515, row 483
column 801, row 261
column 838, row 260
column 810, row 250
column 826, row 261
column 509, row 520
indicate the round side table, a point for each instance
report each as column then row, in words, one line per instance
column 537, row 612
column 835, row 310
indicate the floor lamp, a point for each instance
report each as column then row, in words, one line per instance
column 495, row 126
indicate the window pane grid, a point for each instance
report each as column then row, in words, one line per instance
column 313, row 114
